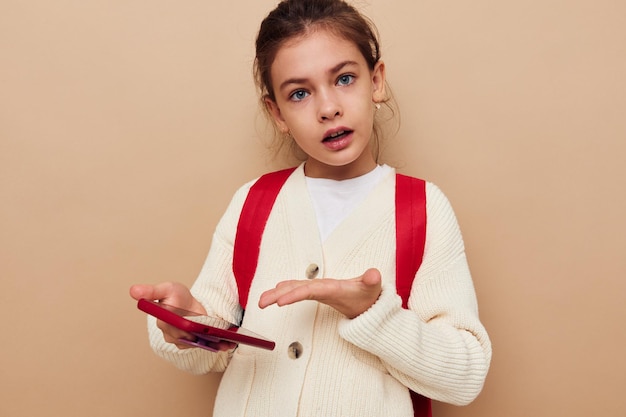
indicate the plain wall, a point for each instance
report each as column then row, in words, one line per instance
column 125, row 127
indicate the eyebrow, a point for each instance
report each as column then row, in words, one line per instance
column 332, row 70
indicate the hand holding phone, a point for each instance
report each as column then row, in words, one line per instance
column 172, row 293
column 207, row 332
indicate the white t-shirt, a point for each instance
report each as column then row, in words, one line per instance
column 334, row 200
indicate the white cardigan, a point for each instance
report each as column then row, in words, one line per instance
column 360, row 367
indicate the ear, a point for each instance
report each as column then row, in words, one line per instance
column 378, row 83
column 274, row 111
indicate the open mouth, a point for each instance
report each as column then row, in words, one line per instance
column 337, row 135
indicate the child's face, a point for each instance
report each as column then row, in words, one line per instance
column 325, row 97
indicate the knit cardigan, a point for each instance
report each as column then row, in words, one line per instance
column 343, row 367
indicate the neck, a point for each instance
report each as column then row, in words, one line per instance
column 314, row 169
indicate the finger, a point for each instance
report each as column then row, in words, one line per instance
column 172, row 334
column 167, row 290
column 290, row 283
column 182, row 345
column 151, row 292
column 371, row 277
column 140, row 291
column 270, row 297
column 162, row 291
column 319, row 290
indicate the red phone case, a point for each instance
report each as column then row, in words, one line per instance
column 211, row 329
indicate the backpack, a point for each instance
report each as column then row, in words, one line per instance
column 410, row 238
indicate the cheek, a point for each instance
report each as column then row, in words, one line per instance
column 365, row 101
column 299, row 117
column 367, row 109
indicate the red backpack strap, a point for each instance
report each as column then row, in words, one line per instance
column 410, row 232
column 410, row 241
column 422, row 406
column 254, row 214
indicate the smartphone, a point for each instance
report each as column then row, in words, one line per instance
column 208, row 330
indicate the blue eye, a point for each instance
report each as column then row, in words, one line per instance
column 298, row 95
column 345, row 79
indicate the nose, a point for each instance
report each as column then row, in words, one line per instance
column 329, row 107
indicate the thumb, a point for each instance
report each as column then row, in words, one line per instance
column 372, row 277
column 139, row 291
column 169, row 292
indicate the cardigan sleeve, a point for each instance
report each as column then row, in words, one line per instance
column 216, row 289
column 438, row 347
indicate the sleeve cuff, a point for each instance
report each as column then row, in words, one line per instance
column 363, row 329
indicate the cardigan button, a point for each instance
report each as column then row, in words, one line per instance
column 312, row 271
column 295, row 350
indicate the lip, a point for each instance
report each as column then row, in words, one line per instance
column 339, row 143
column 334, row 131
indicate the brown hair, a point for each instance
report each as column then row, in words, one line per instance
column 293, row 18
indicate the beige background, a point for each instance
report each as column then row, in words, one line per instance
column 125, row 126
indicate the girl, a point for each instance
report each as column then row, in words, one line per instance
column 324, row 289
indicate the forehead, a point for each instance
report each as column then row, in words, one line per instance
column 314, row 52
